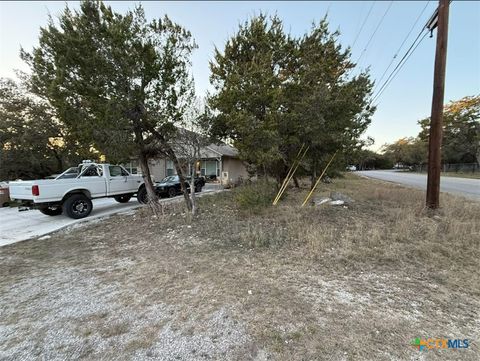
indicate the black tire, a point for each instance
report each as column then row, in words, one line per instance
column 142, row 196
column 78, row 206
column 124, row 198
column 172, row 192
column 6, row 204
column 51, row 211
column 198, row 188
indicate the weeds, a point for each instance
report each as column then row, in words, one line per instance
column 255, row 197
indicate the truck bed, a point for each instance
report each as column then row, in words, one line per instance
column 53, row 190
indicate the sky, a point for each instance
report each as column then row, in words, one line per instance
column 405, row 101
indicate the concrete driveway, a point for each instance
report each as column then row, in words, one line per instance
column 466, row 187
column 18, row 226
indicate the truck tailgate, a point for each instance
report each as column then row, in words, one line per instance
column 21, row 190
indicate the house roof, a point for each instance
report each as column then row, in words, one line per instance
column 220, row 148
column 213, row 150
column 223, row 149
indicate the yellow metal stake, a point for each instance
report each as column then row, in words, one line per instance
column 289, row 177
column 286, row 180
column 318, row 181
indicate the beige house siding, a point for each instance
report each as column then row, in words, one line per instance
column 158, row 169
column 235, row 168
column 218, row 162
column 231, row 170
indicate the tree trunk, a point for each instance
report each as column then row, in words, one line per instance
column 265, row 177
column 167, row 149
column 313, row 178
column 181, row 177
column 147, row 178
column 192, row 189
column 143, row 159
column 59, row 160
column 295, row 182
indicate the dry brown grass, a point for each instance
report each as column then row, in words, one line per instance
column 285, row 283
column 386, row 224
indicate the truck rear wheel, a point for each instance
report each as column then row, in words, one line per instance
column 51, row 211
column 78, row 206
column 124, row 198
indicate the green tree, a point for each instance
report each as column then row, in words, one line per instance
column 33, row 142
column 274, row 93
column 116, row 80
column 368, row 159
column 327, row 108
column 247, row 82
column 461, row 131
column 407, row 151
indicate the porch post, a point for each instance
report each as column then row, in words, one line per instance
column 220, row 166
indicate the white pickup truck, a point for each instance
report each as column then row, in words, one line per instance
column 73, row 190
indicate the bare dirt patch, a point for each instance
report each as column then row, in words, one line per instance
column 280, row 283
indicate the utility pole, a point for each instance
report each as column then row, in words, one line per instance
column 436, row 119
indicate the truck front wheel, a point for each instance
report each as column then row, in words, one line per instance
column 142, row 195
column 51, row 211
column 78, row 206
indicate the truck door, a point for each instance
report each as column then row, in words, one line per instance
column 119, row 181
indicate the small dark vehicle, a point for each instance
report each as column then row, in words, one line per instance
column 170, row 186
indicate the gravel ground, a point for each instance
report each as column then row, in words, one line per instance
column 138, row 287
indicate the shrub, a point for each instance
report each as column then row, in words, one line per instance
column 255, row 196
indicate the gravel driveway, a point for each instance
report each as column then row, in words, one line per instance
column 18, row 226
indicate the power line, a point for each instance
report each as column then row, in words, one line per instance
column 375, row 31
column 431, row 24
column 401, row 46
column 363, row 24
column 399, row 66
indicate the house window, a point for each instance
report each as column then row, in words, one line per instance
column 170, row 168
column 132, row 167
column 209, row 169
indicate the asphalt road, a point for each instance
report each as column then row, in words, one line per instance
column 466, row 187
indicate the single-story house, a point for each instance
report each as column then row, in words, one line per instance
column 219, row 163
